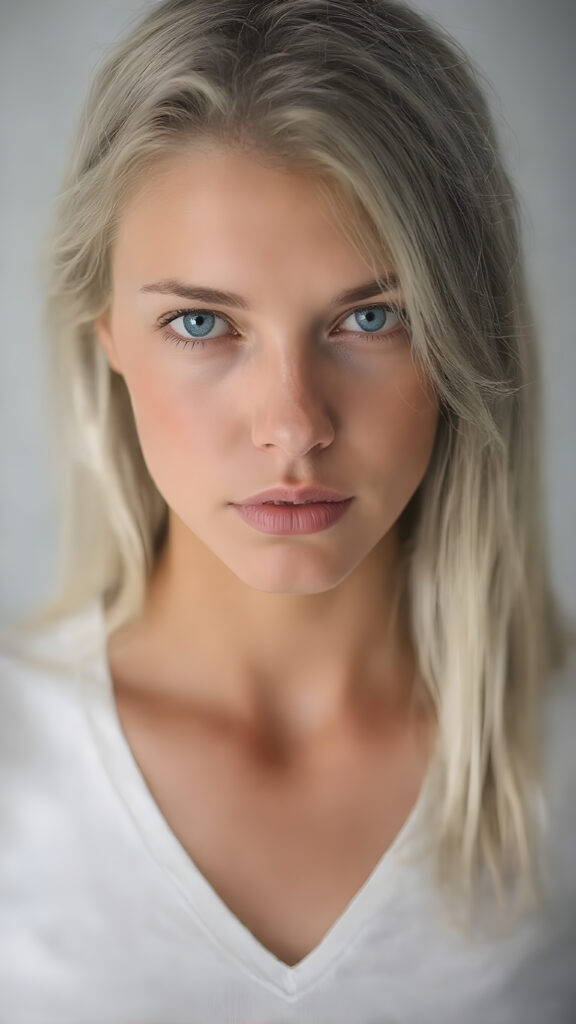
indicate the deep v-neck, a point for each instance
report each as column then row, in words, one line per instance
column 209, row 910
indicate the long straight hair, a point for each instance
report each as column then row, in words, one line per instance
column 391, row 114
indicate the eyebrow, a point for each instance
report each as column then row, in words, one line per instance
column 171, row 286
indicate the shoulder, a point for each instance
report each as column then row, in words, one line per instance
column 49, row 655
column 40, row 685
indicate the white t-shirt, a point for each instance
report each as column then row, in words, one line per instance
column 105, row 919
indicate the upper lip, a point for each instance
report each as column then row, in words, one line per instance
column 314, row 492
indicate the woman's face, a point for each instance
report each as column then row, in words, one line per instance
column 292, row 386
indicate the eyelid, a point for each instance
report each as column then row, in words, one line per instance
column 391, row 306
column 167, row 318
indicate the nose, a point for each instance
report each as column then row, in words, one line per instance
column 290, row 408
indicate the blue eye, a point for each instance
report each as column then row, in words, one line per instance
column 375, row 318
column 198, row 323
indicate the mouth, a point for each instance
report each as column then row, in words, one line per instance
column 323, row 501
column 283, row 517
column 283, row 495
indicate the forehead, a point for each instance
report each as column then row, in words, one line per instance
column 229, row 217
column 230, row 187
column 230, row 181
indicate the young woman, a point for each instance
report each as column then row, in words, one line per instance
column 293, row 740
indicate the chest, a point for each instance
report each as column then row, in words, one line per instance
column 285, row 852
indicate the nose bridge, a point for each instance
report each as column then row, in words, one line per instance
column 290, row 406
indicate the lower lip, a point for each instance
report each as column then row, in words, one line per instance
column 283, row 519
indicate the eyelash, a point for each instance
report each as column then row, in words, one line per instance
column 177, row 339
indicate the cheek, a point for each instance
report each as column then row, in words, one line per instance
column 398, row 426
column 176, row 424
column 418, row 411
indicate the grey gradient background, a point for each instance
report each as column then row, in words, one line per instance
column 48, row 49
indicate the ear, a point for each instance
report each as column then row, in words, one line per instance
column 105, row 339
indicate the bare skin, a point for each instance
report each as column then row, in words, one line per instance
column 265, row 689
column 286, row 849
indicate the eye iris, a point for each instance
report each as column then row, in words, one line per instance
column 203, row 321
column 375, row 318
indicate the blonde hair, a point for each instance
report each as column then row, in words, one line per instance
column 389, row 112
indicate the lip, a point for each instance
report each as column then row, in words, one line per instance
column 288, row 520
column 313, row 492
